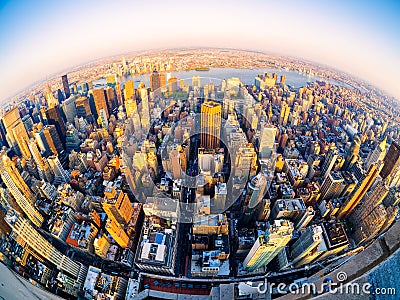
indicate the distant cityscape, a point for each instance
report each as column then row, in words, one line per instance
column 121, row 180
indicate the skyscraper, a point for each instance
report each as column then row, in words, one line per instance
column 335, row 239
column 308, row 246
column 360, row 190
column 60, row 175
column 267, row 140
column 100, row 101
column 65, row 84
column 41, row 163
column 53, row 117
column 51, row 100
column 330, row 160
column 196, row 81
column 284, row 114
column 172, row 84
column 82, row 107
column 155, row 83
column 111, row 99
column 377, row 154
column 391, row 162
column 129, row 90
column 41, row 140
column 117, row 232
column 270, row 241
column 18, row 189
column 370, row 225
column 371, row 200
column 210, row 125
column 69, row 109
column 255, row 192
column 53, row 140
column 352, row 154
column 332, row 186
column 130, row 107
column 15, row 131
column 163, row 80
column 60, row 96
column 117, row 205
column 33, row 239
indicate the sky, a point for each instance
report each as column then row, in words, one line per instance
column 43, row 37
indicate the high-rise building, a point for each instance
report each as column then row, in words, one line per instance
column 255, row 191
column 60, row 96
column 69, row 109
column 330, row 160
column 21, row 138
column 65, row 84
column 41, row 163
column 210, row 125
column 19, row 190
column 53, row 140
column 283, row 79
column 129, row 90
column 60, row 174
column 377, row 154
column 245, row 161
column 117, row 205
column 305, row 219
column 50, row 99
column 32, row 238
column 155, row 83
column 289, row 209
column 391, row 167
column 163, row 80
column 100, row 101
column 117, row 232
column 391, row 215
column 15, row 132
column 392, row 198
column 284, row 114
column 41, row 140
column 308, row 246
column 335, row 239
column 267, row 140
column 352, row 154
column 270, row 241
column 371, row 200
column 28, row 122
column 370, row 225
column 332, row 186
column 130, row 107
column 72, row 141
column 101, row 246
column 82, row 107
column 196, row 81
column 53, row 117
column 172, row 84
column 359, row 192
column 111, row 99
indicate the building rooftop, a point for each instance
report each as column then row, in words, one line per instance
column 79, row 236
column 335, row 234
column 157, row 242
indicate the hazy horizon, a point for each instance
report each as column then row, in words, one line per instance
column 141, row 52
column 46, row 38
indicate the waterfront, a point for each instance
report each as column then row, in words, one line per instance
column 246, row 76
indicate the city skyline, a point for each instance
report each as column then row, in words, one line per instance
column 158, row 160
column 47, row 39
